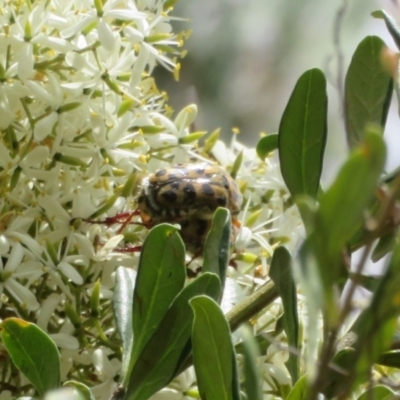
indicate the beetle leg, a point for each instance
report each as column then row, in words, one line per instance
column 132, row 249
column 120, row 218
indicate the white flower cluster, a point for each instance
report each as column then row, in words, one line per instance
column 75, row 92
column 81, row 119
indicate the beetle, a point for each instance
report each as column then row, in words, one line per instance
column 189, row 194
column 185, row 194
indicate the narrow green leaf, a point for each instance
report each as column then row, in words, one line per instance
column 236, row 394
column 149, row 129
column 391, row 25
column 379, row 392
column 169, row 346
column 122, row 308
column 33, row 352
column 336, row 380
column 376, row 325
column 307, row 207
column 396, row 89
column 312, row 286
column 385, row 306
column 237, row 165
column 302, row 134
column 169, row 4
column 192, row 137
column 281, row 274
column 390, row 359
column 252, row 379
column 299, row 390
column 368, row 90
column 217, row 246
column 342, row 207
column 384, row 246
column 125, row 106
column 161, row 275
column 129, row 185
column 266, row 145
column 368, row 282
column 212, row 350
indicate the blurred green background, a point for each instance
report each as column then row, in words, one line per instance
column 245, row 56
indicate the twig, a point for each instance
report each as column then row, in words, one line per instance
column 337, row 28
column 252, row 305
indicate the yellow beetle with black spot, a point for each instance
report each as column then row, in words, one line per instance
column 189, row 194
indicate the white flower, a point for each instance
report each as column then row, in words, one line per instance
column 6, row 395
column 66, row 393
column 10, row 285
column 64, row 341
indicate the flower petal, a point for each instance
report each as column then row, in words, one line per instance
column 70, row 272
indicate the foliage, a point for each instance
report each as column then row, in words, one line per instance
column 80, row 312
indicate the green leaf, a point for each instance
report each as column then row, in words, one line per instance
column 122, row 308
column 213, row 352
column 281, row 274
column 376, row 325
column 390, row 359
column 252, row 379
column 236, row 394
column 385, row 306
column 379, row 392
column 83, row 389
column 366, row 281
column 266, row 145
column 311, row 285
column 161, row 276
column 391, row 25
column 384, row 246
column 368, row 90
column 33, row 352
column 343, row 206
column 217, row 245
column 299, row 390
column 302, row 134
column 170, row 344
column 307, row 207
column 336, row 381
column 396, row 89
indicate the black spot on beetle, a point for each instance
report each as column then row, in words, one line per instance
column 160, row 173
column 185, row 224
column 221, row 200
column 190, row 193
column 207, row 189
column 170, row 196
column 175, row 185
column 226, row 183
column 209, row 175
column 202, row 226
column 199, row 171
